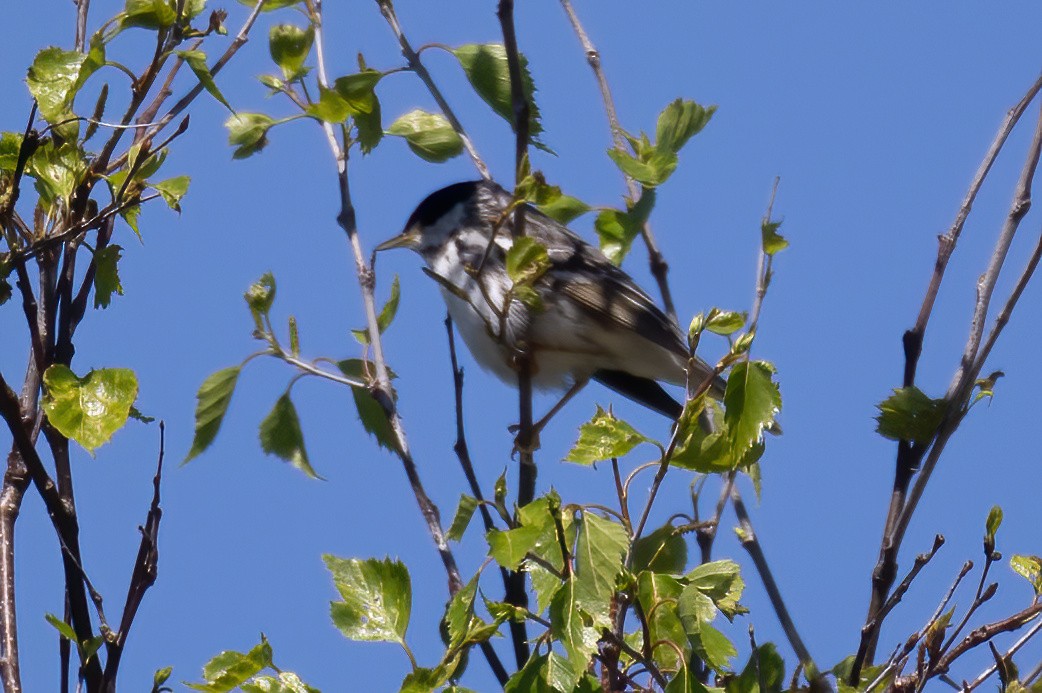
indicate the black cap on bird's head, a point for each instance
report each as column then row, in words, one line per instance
column 440, row 214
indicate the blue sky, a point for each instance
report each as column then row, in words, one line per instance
column 875, row 117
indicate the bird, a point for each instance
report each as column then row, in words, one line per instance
column 590, row 320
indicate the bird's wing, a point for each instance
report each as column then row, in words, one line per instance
column 585, row 275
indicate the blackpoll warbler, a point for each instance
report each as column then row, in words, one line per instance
column 588, row 318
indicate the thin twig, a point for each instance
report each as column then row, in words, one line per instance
column 417, row 66
column 1031, row 632
column 658, row 264
column 909, row 455
column 751, row 544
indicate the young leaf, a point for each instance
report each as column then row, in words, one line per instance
column 428, row 135
column 248, row 133
column 286, row 682
column 527, row 261
column 571, row 625
column 658, row 595
column 386, row 316
column 564, row 208
column 370, row 412
column 369, row 128
column 751, row 401
column 106, row 275
column 229, row 669
column 616, row 230
column 377, row 598
column 773, row 241
column 281, row 435
column 358, row 91
column 148, row 14
column 604, row 437
column 172, row 190
column 722, row 582
column 599, row 552
column 196, row 60
column 58, row 170
column 212, row 402
column 700, row 451
column 330, row 107
column 1029, row 568
column 261, row 294
column 53, row 79
column 510, row 547
column 651, row 170
column 726, row 322
column 764, row 673
column 88, row 409
column 460, row 521
column 271, row 5
column 991, row 526
column 289, row 46
column 662, row 551
column 459, row 614
column 65, row 629
column 909, row 414
column 486, row 68
column 678, row 122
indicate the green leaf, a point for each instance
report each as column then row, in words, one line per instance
column 460, row 521
column 651, row 170
column 58, row 170
column 271, row 5
column 377, row 598
column 909, row 414
column 726, row 322
column 10, row 147
column 56, row 75
column 697, row 450
column 722, row 582
column 678, row 122
column 106, row 275
column 570, row 624
column 196, row 60
column 1030, row 568
column 229, row 669
column 459, row 614
column 330, row 107
column 172, row 190
column 658, row 595
column 211, row 404
column 88, row 409
column 386, row 316
column 289, row 46
column 358, row 91
column 65, row 629
column 248, row 133
column 773, row 241
column 533, row 676
column 751, row 401
column 604, row 437
column 510, row 547
column 281, row 435
column 286, row 682
column 616, row 230
column 713, row 647
column 370, row 412
column 261, row 294
column 685, row 681
column 599, row 554
column 148, row 14
column 369, row 128
column 764, row 673
column 527, row 261
column 662, row 551
column 564, row 208
column 485, row 65
column 428, row 135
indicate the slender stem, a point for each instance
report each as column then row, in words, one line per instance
column 658, row 264
column 417, row 66
column 751, row 544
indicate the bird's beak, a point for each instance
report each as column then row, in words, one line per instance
column 410, row 238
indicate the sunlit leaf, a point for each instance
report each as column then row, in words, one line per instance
column 88, row 409
column 909, row 414
column 773, row 241
column 604, row 437
column 461, row 520
column 377, row 598
column 248, row 133
column 281, row 435
column 196, row 60
column 751, row 400
column 1030, row 568
column 229, row 669
column 678, row 122
column 289, row 46
column 486, row 68
column 173, row 190
column 429, row 135
column 106, row 275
